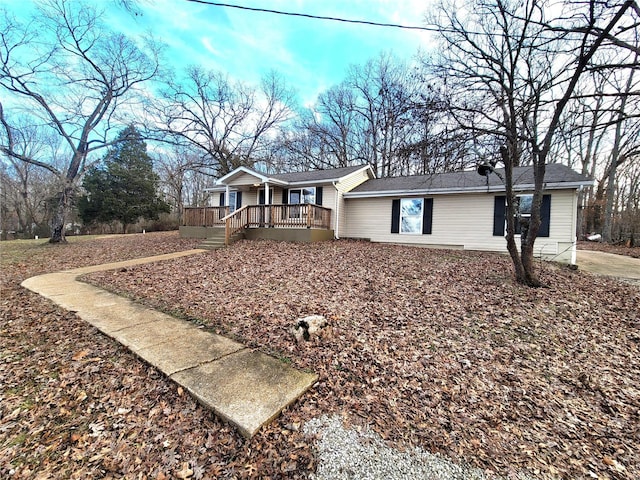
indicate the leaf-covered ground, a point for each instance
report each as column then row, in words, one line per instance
column 74, row 404
column 431, row 348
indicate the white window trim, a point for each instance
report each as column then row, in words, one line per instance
column 421, row 215
column 517, row 235
column 232, row 204
column 301, row 190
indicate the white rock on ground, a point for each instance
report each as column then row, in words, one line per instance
column 308, row 327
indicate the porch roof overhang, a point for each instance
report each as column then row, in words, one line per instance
column 296, row 179
column 223, row 182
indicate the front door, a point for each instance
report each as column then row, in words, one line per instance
column 295, row 198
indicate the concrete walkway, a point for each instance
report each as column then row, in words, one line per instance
column 609, row 264
column 244, row 387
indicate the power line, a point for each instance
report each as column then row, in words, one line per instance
column 314, row 17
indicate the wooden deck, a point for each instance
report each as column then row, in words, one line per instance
column 258, row 216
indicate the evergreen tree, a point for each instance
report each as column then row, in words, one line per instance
column 124, row 187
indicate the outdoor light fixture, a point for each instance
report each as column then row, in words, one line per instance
column 484, row 169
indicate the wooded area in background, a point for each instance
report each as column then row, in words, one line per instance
column 486, row 86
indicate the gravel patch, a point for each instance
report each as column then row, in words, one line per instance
column 348, row 453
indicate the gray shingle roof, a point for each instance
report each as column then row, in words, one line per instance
column 316, row 175
column 468, row 180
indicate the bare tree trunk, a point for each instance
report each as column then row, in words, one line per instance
column 512, row 247
column 59, row 217
column 608, row 209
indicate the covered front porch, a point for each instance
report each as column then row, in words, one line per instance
column 253, row 205
column 298, row 222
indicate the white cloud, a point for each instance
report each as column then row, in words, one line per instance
column 311, row 54
column 206, row 42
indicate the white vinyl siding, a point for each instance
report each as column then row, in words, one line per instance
column 248, row 198
column 277, row 196
column 329, row 197
column 338, row 203
column 350, row 182
column 244, row 179
column 462, row 221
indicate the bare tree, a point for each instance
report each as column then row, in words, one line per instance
column 512, row 68
column 230, row 122
column 383, row 113
column 625, row 139
column 581, row 136
column 599, row 134
column 183, row 184
column 27, row 187
column 69, row 73
column 628, row 196
column 386, row 95
column 326, row 135
column 27, row 190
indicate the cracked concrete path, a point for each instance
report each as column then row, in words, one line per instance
column 244, row 387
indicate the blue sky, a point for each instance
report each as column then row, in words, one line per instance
column 312, row 54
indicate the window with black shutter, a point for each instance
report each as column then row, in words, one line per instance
column 523, row 210
column 412, row 216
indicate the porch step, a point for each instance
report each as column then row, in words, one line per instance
column 212, row 244
column 217, row 241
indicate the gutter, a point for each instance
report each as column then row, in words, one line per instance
column 445, row 191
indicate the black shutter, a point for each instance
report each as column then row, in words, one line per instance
column 261, row 197
column 498, row 215
column 222, row 204
column 545, row 215
column 238, row 200
column 318, row 195
column 427, row 215
column 395, row 216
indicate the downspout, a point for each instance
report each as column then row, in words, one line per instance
column 267, row 202
column 336, row 232
column 577, row 202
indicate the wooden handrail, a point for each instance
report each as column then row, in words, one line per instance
column 235, row 212
column 232, row 225
column 203, row 216
column 274, row 215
